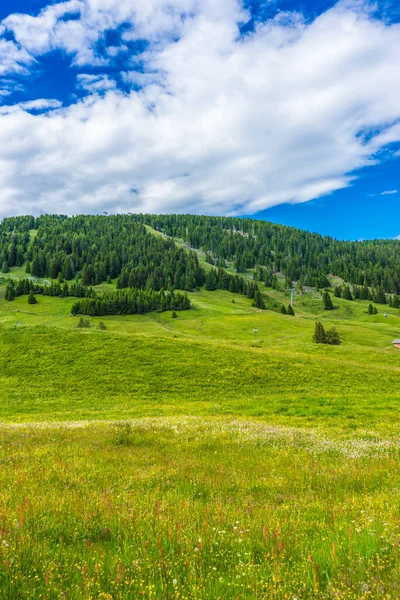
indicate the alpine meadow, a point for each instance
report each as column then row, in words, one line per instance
column 197, row 408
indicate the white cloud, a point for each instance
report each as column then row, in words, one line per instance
column 223, row 124
column 42, row 105
column 39, row 34
column 389, row 192
column 95, row 83
column 153, row 20
column 14, row 59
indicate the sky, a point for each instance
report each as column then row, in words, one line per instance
column 277, row 109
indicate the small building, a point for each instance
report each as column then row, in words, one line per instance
column 396, row 344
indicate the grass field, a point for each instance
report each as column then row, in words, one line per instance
column 192, row 458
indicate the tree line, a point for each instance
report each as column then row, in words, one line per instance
column 23, row 287
column 121, row 302
column 129, row 302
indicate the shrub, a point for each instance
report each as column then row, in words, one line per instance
column 332, row 337
column 84, row 323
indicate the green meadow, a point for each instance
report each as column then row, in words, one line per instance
column 196, row 458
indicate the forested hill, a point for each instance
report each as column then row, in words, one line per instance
column 297, row 254
column 101, row 248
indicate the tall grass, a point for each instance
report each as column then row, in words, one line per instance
column 189, row 508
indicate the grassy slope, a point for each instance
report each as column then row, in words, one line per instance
column 289, row 478
column 207, row 361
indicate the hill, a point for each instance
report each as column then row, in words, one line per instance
column 101, row 247
column 214, row 452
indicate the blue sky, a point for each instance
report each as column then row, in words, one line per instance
column 277, row 109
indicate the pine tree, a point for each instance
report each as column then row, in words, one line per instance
column 370, row 309
column 87, row 275
column 290, row 310
column 258, row 300
column 336, row 292
column 32, row 298
column 174, row 315
column 380, row 296
column 211, row 280
column 319, row 336
column 346, row 294
column 283, row 310
column 10, row 292
column 375, row 311
column 28, row 267
column 36, row 268
column 326, row 298
column 5, row 268
column 67, row 270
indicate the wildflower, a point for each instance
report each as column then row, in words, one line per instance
column 174, row 581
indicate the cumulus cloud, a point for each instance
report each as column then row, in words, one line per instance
column 57, row 27
column 217, row 122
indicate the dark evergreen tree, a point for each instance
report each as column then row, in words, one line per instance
column 283, row 310
column 380, row 296
column 319, row 336
column 346, row 294
column 290, row 310
column 258, row 300
column 32, row 298
column 10, row 292
column 36, row 269
column 326, row 298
